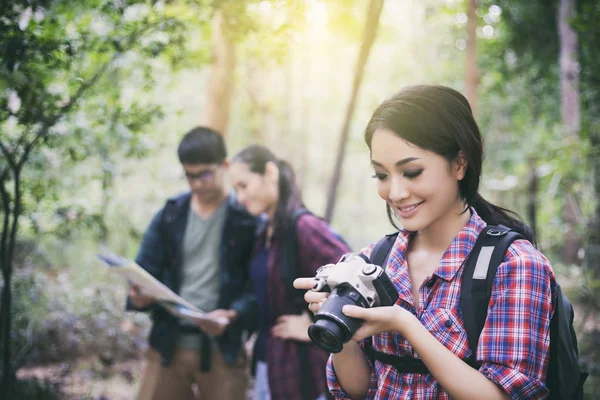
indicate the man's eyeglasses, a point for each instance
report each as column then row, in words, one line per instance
column 204, row 176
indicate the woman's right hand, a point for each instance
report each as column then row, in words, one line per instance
column 314, row 299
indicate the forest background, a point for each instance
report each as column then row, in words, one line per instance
column 96, row 94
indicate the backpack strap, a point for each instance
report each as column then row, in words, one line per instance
column 289, row 273
column 478, row 277
column 477, row 282
column 289, row 255
column 382, row 250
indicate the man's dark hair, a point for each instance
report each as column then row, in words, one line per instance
column 202, row 145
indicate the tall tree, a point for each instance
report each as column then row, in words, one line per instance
column 471, row 74
column 221, row 81
column 54, row 53
column 569, row 68
column 588, row 32
column 370, row 32
column 571, row 117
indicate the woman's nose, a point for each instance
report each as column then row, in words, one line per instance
column 398, row 190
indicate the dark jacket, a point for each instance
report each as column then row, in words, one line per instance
column 161, row 255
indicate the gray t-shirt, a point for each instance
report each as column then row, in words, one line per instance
column 200, row 271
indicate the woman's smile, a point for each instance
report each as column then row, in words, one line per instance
column 409, row 210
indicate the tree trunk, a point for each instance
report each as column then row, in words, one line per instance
column 9, row 238
column 471, row 73
column 532, row 196
column 570, row 110
column 371, row 24
column 220, row 85
column 569, row 70
column 593, row 245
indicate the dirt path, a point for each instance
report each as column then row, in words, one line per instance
column 89, row 379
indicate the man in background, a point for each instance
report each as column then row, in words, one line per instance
column 199, row 245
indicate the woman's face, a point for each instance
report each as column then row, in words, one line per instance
column 420, row 186
column 255, row 192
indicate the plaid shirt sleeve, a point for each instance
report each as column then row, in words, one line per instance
column 334, row 385
column 332, row 381
column 514, row 344
column 317, row 244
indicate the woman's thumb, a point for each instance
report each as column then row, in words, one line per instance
column 353, row 311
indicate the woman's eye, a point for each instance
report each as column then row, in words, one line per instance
column 412, row 174
column 381, row 177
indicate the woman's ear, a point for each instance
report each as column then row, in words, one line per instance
column 272, row 172
column 459, row 166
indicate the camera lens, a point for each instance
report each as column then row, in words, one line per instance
column 327, row 335
column 332, row 328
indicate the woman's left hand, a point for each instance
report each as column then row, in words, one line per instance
column 377, row 319
column 292, row 327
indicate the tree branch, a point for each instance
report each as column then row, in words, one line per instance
column 49, row 122
column 9, row 157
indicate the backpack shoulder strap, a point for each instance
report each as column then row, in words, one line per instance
column 382, row 250
column 379, row 256
column 290, row 251
column 478, row 277
column 290, row 272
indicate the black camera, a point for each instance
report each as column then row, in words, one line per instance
column 352, row 281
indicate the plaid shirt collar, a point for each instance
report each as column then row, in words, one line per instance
column 457, row 252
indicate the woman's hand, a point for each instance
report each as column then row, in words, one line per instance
column 378, row 320
column 314, row 299
column 292, row 327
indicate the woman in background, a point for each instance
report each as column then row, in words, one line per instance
column 266, row 186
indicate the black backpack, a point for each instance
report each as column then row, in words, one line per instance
column 564, row 378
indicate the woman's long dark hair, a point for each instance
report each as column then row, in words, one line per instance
column 290, row 199
column 439, row 119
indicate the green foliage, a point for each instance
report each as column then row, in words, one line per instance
column 76, row 78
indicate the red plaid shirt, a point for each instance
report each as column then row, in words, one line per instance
column 317, row 245
column 514, row 345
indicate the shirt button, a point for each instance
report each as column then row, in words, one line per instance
column 431, row 282
column 448, row 323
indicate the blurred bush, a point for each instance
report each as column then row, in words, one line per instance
column 72, row 309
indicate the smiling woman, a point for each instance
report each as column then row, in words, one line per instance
column 426, row 150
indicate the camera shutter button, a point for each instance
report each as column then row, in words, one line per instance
column 369, row 269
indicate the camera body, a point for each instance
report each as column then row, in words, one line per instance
column 352, row 281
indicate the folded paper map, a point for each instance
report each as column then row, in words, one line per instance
column 148, row 285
